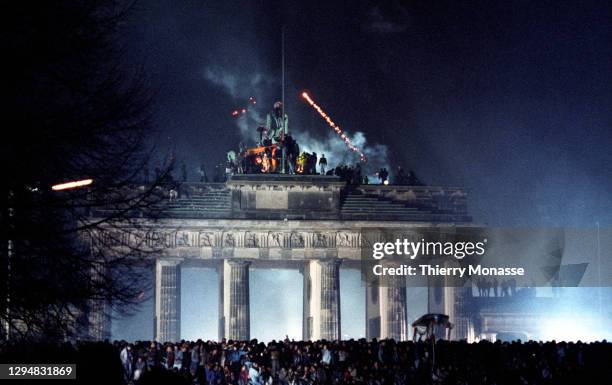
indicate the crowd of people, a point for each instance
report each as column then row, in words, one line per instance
column 306, row 163
column 495, row 288
column 503, row 288
column 350, row 174
column 366, row 362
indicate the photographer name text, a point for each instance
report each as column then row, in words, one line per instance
column 437, row 270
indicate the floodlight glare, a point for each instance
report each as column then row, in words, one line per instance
column 71, row 185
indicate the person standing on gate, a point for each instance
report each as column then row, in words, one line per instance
column 323, row 164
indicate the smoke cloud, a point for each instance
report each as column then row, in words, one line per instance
column 239, row 85
column 337, row 153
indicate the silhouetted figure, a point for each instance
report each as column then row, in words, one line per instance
column 504, row 288
column 512, row 284
column 291, row 163
column 292, row 149
column 313, row 164
column 383, row 174
column 183, row 172
column 413, row 180
column 323, row 164
column 357, row 174
column 400, row 176
column 202, row 171
column 219, row 175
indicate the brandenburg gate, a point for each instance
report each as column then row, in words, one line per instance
column 311, row 223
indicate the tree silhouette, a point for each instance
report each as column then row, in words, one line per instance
column 75, row 111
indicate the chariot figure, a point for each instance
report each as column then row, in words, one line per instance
column 277, row 125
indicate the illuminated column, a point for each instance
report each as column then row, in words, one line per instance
column 463, row 326
column 445, row 297
column 98, row 316
column 452, row 301
column 321, row 300
column 234, row 321
column 99, row 320
column 393, row 315
column 372, row 310
column 386, row 313
column 167, row 300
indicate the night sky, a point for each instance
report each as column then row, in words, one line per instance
column 509, row 99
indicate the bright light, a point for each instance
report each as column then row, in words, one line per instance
column 333, row 125
column 386, row 182
column 570, row 328
column 71, row 185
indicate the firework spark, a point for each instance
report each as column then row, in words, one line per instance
column 333, row 125
column 244, row 110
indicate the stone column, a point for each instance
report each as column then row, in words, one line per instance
column 234, row 320
column 167, row 300
column 386, row 313
column 393, row 314
column 452, row 301
column 321, row 300
column 462, row 319
column 98, row 315
column 99, row 320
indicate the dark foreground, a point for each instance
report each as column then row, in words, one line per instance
column 322, row 362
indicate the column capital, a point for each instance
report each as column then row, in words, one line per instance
column 163, row 261
column 239, row 262
column 329, row 261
